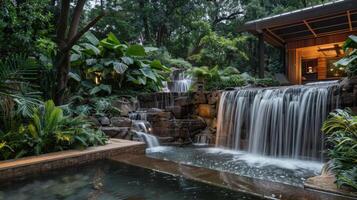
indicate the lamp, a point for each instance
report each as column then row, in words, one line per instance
column 97, row 78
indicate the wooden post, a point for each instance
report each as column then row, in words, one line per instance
column 283, row 58
column 261, row 55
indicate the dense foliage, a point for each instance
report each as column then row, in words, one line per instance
column 230, row 77
column 194, row 27
column 48, row 130
column 349, row 62
column 22, row 23
column 109, row 64
column 341, row 129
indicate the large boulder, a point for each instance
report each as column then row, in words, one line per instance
column 207, row 111
column 104, row 121
column 121, row 122
column 117, row 132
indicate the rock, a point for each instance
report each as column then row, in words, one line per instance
column 116, row 132
column 200, row 98
column 121, row 122
column 159, row 116
column 177, row 127
column 207, row 111
column 104, row 121
column 182, row 101
column 213, row 97
column 154, row 110
column 214, row 123
column 179, row 112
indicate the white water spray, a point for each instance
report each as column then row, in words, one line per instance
column 279, row 122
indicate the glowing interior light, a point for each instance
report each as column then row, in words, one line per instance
column 310, row 70
column 97, row 78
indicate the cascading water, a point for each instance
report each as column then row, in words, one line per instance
column 279, row 122
column 181, row 83
column 142, row 128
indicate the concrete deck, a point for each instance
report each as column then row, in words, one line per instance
column 235, row 182
column 50, row 161
column 327, row 184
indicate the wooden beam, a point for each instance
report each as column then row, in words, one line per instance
column 349, row 20
column 261, row 55
column 276, row 36
column 309, row 27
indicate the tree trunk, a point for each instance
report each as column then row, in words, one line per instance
column 65, row 42
column 62, row 68
column 145, row 21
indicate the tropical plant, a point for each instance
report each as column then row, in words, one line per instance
column 17, row 94
column 349, row 61
column 341, row 129
column 49, row 130
column 215, row 79
column 108, row 64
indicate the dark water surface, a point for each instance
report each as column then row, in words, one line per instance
column 107, row 180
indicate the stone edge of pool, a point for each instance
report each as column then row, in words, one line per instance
column 262, row 188
column 51, row 161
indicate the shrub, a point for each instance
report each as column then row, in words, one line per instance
column 225, row 82
column 266, row 82
column 341, row 129
column 49, row 130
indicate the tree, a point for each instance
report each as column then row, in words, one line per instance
column 67, row 35
column 22, row 23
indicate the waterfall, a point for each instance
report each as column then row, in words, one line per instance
column 278, row 122
column 150, row 140
column 181, row 82
column 202, row 139
column 142, row 128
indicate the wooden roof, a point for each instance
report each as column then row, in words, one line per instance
column 312, row 22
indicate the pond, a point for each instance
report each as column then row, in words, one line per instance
column 112, row 180
column 288, row 171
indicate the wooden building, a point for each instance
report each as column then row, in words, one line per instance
column 310, row 38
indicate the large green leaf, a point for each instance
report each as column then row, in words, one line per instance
column 107, row 88
column 113, row 39
column 156, row 64
column 351, row 42
column 135, row 50
column 147, row 71
column 75, row 57
column 91, row 61
column 97, row 67
column 101, row 87
column 127, row 60
column 346, row 61
column 120, row 68
column 74, row 76
column 106, row 44
column 91, row 49
column 91, row 38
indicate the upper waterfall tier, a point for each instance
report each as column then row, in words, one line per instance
column 280, row 122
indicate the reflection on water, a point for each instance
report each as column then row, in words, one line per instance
column 107, row 180
column 287, row 171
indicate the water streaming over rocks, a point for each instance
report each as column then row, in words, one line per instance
column 142, row 128
column 181, row 83
column 279, row 122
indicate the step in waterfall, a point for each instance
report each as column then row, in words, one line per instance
column 278, row 122
column 180, row 82
column 142, row 128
